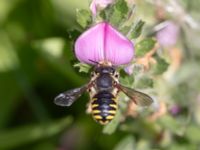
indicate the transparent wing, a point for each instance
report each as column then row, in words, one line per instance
column 139, row 98
column 69, row 97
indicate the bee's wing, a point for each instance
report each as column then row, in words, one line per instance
column 139, row 98
column 70, row 96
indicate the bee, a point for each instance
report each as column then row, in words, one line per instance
column 103, row 89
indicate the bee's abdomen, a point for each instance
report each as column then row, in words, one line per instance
column 104, row 107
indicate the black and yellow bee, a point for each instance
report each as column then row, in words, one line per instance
column 103, row 89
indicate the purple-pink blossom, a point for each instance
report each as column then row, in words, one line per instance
column 102, row 42
column 129, row 69
column 175, row 109
column 96, row 4
column 168, row 35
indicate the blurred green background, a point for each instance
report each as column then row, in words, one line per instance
column 36, row 64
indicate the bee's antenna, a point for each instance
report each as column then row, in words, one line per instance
column 93, row 61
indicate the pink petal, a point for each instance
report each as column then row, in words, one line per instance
column 129, row 69
column 99, row 4
column 90, row 45
column 168, row 36
column 104, row 43
column 118, row 49
column 103, row 3
column 93, row 8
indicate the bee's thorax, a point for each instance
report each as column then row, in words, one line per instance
column 104, row 82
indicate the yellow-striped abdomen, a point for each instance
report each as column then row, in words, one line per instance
column 104, row 107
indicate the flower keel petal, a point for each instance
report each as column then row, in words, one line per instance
column 118, row 49
column 104, row 43
column 89, row 46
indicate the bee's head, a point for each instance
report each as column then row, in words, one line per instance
column 103, row 67
column 104, row 70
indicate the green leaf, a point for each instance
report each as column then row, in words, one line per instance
column 53, row 46
column 83, row 17
column 8, row 56
column 126, row 143
column 24, row 135
column 73, row 34
column 127, row 80
column 171, row 124
column 83, row 67
column 106, row 12
column 144, row 46
column 125, row 30
column 137, row 29
column 143, row 144
column 9, row 89
column 144, row 82
column 9, row 93
column 122, row 6
column 46, row 144
column 161, row 66
column 119, row 12
column 5, row 9
column 186, row 146
column 193, row 133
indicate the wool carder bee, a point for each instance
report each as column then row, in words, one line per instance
column 105, row 48
column 103, row 89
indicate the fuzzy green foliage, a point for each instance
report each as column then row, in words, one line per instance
column 83, row 67
column 37, row 63
column 83, row 18
column 137, row 29
column 144, row 46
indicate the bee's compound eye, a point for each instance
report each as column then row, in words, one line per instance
column 112, row 70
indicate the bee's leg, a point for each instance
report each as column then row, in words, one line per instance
column 89, row 108
column 92, row 92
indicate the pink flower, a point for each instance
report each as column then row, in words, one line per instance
column 102, row 42
column 168, row 36
column 175, row 109
column 95, row 4
column 129, row 69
